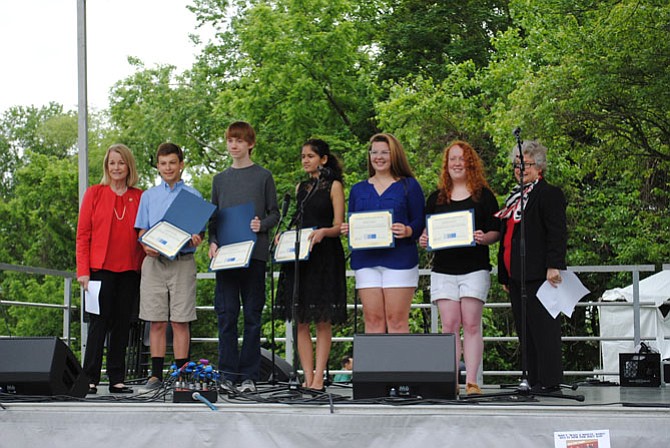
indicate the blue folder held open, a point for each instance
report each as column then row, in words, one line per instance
column 233, row 224
column 187, row 215
column 189, row 212
column 235, row 238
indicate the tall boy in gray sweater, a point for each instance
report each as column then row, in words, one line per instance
column 239, row 184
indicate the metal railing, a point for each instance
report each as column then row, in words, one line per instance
column 67, row 293
column 636, row 305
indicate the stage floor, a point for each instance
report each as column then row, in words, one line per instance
column 279, row 417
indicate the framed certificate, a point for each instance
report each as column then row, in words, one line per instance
column 285, row 250
column 371, row 230
column 232, row 256
column 166, row 238
column 453, row 229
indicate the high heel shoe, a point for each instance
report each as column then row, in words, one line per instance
column 120, row 390
column 92, row 389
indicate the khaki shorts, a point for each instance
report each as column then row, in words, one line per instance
column 167, row 289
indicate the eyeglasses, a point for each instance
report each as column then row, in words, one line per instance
column 380, row 153
column 517, row 165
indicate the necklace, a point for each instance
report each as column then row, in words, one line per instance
column 123, row 214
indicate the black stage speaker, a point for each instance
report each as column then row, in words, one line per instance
column 40, row 366
column 281, row 372
column 404, row 365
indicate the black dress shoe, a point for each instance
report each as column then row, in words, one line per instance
column 120, row 390
column 547, row 389
column 92, row 390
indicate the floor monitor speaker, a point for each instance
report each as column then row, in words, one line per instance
column 404, row 365
column 281, row 371
column 40, row 366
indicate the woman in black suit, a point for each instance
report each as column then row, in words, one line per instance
column 546, row 245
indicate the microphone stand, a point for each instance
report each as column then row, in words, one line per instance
column 294, row 383
column 272, row 380
column 523, row 388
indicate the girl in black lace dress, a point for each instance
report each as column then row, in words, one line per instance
column 322, row 291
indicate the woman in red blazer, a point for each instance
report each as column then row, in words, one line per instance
column 108, row 252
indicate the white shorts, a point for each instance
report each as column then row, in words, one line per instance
column 453, row 287
column 380, row 277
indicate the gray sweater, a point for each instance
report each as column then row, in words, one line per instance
column 236, row 186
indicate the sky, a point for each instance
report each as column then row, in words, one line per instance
column 38, row 46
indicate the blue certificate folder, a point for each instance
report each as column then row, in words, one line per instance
column 233, row 224
column 232, row 231
column 189, row 212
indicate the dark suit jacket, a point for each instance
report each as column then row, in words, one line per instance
column 546, row 236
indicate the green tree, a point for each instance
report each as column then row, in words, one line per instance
column 294, row 69
column 38, row 229
column 595, row 92
column 44, row 130
column 39, row 209
column 424, row 37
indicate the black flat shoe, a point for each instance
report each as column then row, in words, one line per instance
column 92, row 390
column 309, row 389
column 120, row 390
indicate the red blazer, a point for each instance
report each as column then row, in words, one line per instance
column 95, row 222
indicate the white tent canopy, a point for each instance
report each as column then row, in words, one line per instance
column 617, row 321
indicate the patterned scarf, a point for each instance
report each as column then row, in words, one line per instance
column 512, row 206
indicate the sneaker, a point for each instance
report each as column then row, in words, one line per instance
column 226, row 387
column 472, row 389
column 247, row 386
column 153, row 383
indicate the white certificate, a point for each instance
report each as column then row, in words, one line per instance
column 453, row 229
column 285, row 250
column 166, row 239
column 231, row 256
column 371, row 230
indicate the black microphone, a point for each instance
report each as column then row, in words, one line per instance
column 517, row 132
column 287, row 201
column 326, row 173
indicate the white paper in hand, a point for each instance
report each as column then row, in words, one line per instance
column 564, row 297
column 92, row 297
